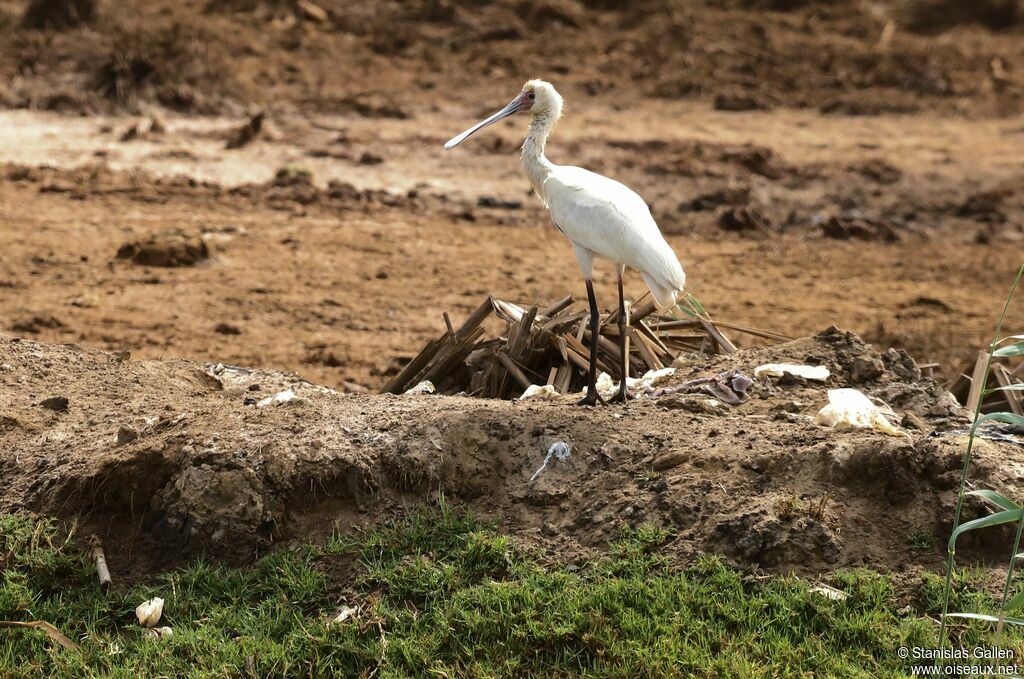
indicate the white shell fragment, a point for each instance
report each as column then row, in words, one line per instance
column 851, row 408
column 149, row 612
column 344, row 614
column 424, row 387
column 810, row 372
column 159, row 633
column 829, row 592
column 282, row 397
column 539, row 392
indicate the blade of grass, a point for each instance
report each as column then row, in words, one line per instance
column 950, row 558
column 1019, row 338
column 1006, row 418
column 1016, row 602
column 1011, row 350
column 986, row 617
column 1006, row 587
column 996, row 519
column 995, row 498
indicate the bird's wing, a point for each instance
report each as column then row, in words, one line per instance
column 612, row 221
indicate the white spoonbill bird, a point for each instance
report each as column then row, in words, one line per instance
column 599, row 216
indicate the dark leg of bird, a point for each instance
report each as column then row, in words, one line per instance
column 592, row 396
column 623, row 394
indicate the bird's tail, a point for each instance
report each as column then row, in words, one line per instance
column 666, row 292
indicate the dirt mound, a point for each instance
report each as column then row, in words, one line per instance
column 171, row 459
column 173, row 247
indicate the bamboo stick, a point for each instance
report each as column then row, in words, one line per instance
column 557, row 307
column 720, row 340
column 513, row 369
column 100, row 559
column 978, row 382
column 399, row 382
column 1004, row 379
column 645, row 350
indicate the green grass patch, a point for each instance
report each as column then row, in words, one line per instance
column 442, row 595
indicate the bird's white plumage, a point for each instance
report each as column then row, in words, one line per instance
column 600, row 216
column 608, row 219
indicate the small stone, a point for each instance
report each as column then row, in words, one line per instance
column 126, row 434
column 56, row 403
column 866, row 369
column 914, row 421
column 788, row 407
column 697, row 405
column 354, row 388
column 669, row 460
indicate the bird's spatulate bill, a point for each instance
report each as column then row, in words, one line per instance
column 510, row 108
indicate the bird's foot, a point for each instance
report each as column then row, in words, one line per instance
column 591, row 398
column 622, row 396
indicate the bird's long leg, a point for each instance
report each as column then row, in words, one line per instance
column 623, row 394
column 592, row 397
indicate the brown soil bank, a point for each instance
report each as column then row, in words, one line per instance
column 392, row 59
column 170, row 459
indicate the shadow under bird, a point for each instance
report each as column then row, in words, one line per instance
column 600, row 216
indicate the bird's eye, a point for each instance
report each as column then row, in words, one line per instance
column 532, row 95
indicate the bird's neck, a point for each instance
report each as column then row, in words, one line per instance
column 538, row 167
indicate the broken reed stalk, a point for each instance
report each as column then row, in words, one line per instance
column 100, row 559
column 988, row 390
column 551, row 345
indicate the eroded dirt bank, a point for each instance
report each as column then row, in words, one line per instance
column 169, row 459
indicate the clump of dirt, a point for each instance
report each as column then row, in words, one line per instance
column 58, row 15
column 170, row 248
column 934, row 16
column 855, row 224
column 231, row 461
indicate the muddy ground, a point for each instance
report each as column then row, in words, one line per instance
column 844, row 163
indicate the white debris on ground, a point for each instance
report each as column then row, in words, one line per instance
column 851, row 408
column 539, row 392
column 829, row 592
column 149, row 612
column 810, row 372
column 606, row 387
column 282, row 397
column 424, row 387
column 559, row 450
column 652, row 378
column 159, row 633
column 237, row 377
column 344, row 614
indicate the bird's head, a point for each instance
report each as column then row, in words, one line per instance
column 538, row 97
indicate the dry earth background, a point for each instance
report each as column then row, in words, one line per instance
column 814, row 164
